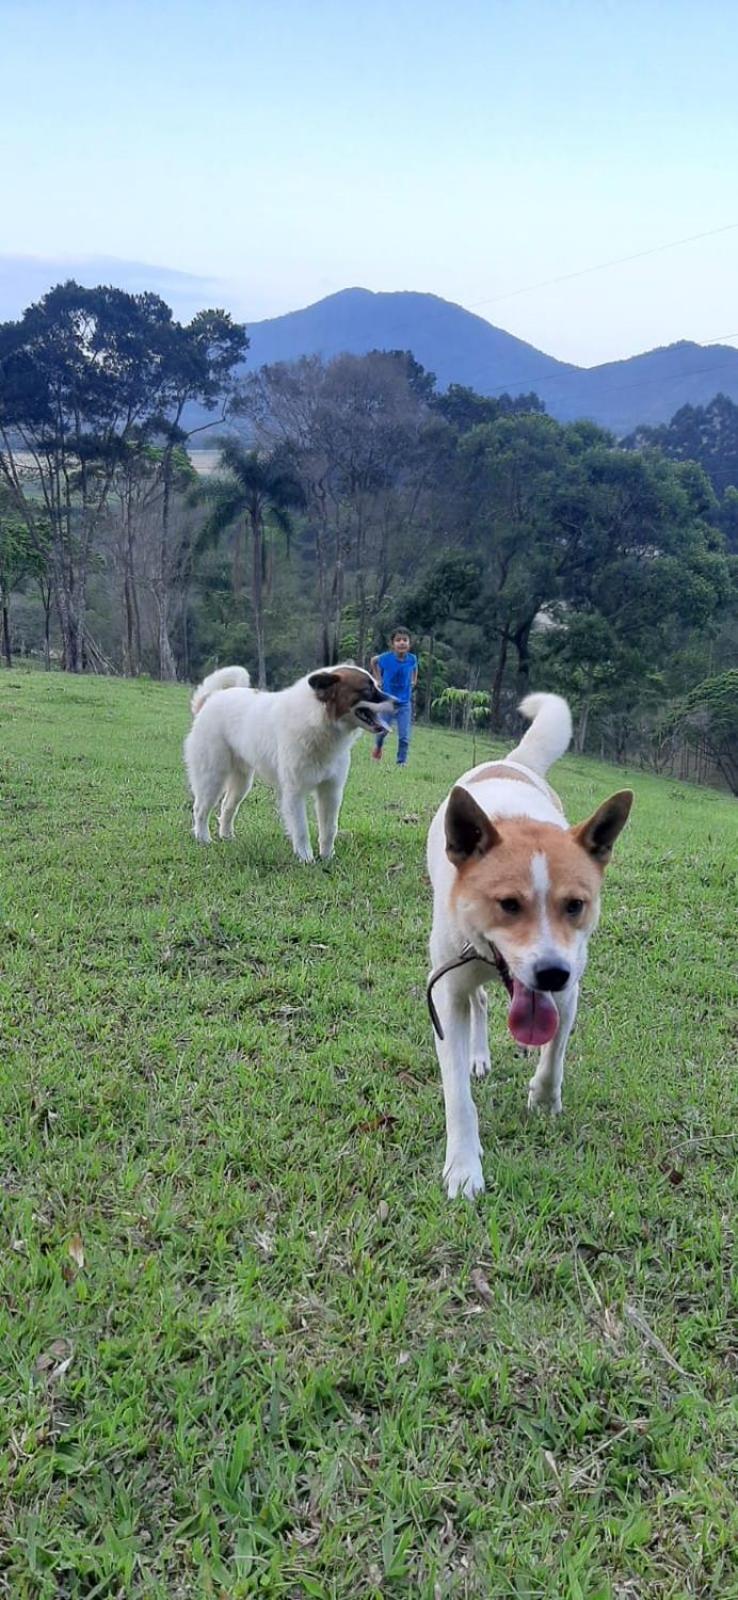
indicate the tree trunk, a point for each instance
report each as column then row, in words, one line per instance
column 522, row 646
column 429, row 679
column 167, row 664
column 580, row 734
column 257, row 594
column 129, row 661
column 132, row 642
column 6, row 633
column 337, row 607
column 497, row 682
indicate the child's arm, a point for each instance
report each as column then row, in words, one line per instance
column 376, row 671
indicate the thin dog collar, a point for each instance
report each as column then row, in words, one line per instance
column 468, row 954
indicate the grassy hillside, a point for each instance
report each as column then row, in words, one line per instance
column 248, row 1346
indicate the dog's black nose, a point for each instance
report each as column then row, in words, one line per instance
column 552, row 978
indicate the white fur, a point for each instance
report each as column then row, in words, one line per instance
column 548, row 736
column 288, row 740
column 461, row 1000
column 224, row 678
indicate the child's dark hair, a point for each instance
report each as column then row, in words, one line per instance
column 399, row 632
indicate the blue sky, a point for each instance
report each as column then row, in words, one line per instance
column 284, row 150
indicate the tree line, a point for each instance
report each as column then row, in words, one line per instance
column 347, row 496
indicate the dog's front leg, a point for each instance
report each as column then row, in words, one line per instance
column 327, row 805
column 295, row 819
column 462, row 1172
column 544, row 1089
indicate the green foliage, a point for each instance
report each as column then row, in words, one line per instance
column 463, row 409
column 465, row 706
column 709, row 715
column 84, row 375
column 705, row 434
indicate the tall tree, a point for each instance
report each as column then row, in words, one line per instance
column 359, row 432
column 80, row 374
column 256, row 491
column 20, row 557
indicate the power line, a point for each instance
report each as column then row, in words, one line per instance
column 602, row 266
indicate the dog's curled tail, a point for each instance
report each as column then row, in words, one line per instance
column 549, row 734
column 224, row 678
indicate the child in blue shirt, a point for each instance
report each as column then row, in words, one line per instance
column 396, row 672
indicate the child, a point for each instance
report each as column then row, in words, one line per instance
column 396, row 672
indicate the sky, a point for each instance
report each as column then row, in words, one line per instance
column 272, row 152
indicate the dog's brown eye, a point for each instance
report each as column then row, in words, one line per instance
column 574, row 907
column 510, row 905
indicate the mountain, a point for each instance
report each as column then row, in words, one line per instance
column 462, row 348
column 455, row 344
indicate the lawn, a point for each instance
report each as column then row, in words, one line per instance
column 248, row 1346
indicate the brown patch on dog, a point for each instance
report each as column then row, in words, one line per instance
column 505, row 873
column 499, row 770
column 342, row 688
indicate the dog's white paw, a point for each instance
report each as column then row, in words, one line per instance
column 202, row 837
column 543, row 1098
column 463, row 1174
column 226, row 833
column 481, row 1065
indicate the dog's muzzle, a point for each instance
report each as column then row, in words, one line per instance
column 374, row 717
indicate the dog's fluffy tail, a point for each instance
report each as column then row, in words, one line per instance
column 549, row 734
column 224, row 678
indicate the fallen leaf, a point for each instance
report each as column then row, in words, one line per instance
column 479, row 1282
column 380, row 1124
column 76, row 1250
column 383, row 1211
column 56, row 1360
column 672, row 1173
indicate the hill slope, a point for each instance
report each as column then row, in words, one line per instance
column 234, row 1269
column 455, row 344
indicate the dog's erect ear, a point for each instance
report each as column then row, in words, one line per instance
column 598, row 834
column 323, row 682
column 468, row 831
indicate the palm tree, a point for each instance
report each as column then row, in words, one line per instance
column 255, row 491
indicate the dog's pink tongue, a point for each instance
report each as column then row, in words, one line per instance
column 532, row 1018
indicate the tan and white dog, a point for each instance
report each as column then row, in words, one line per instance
column 516, row 892
column 297, row 739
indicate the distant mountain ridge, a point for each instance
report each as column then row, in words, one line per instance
column 461, row 347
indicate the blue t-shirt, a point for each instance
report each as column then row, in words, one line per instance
column 397, row 675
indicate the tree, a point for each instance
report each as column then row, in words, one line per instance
column 358, row 431
column 709, row 715
column 81, row 374
column 199, row 364
column 463, row 409
column 256, row 490
column 705, row 434
column 18, row 558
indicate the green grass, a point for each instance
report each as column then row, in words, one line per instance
column 248, row 1347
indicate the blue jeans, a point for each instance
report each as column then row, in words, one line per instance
column 403, row 717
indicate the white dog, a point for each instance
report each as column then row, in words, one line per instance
column 299, row 740
column 517, row 893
